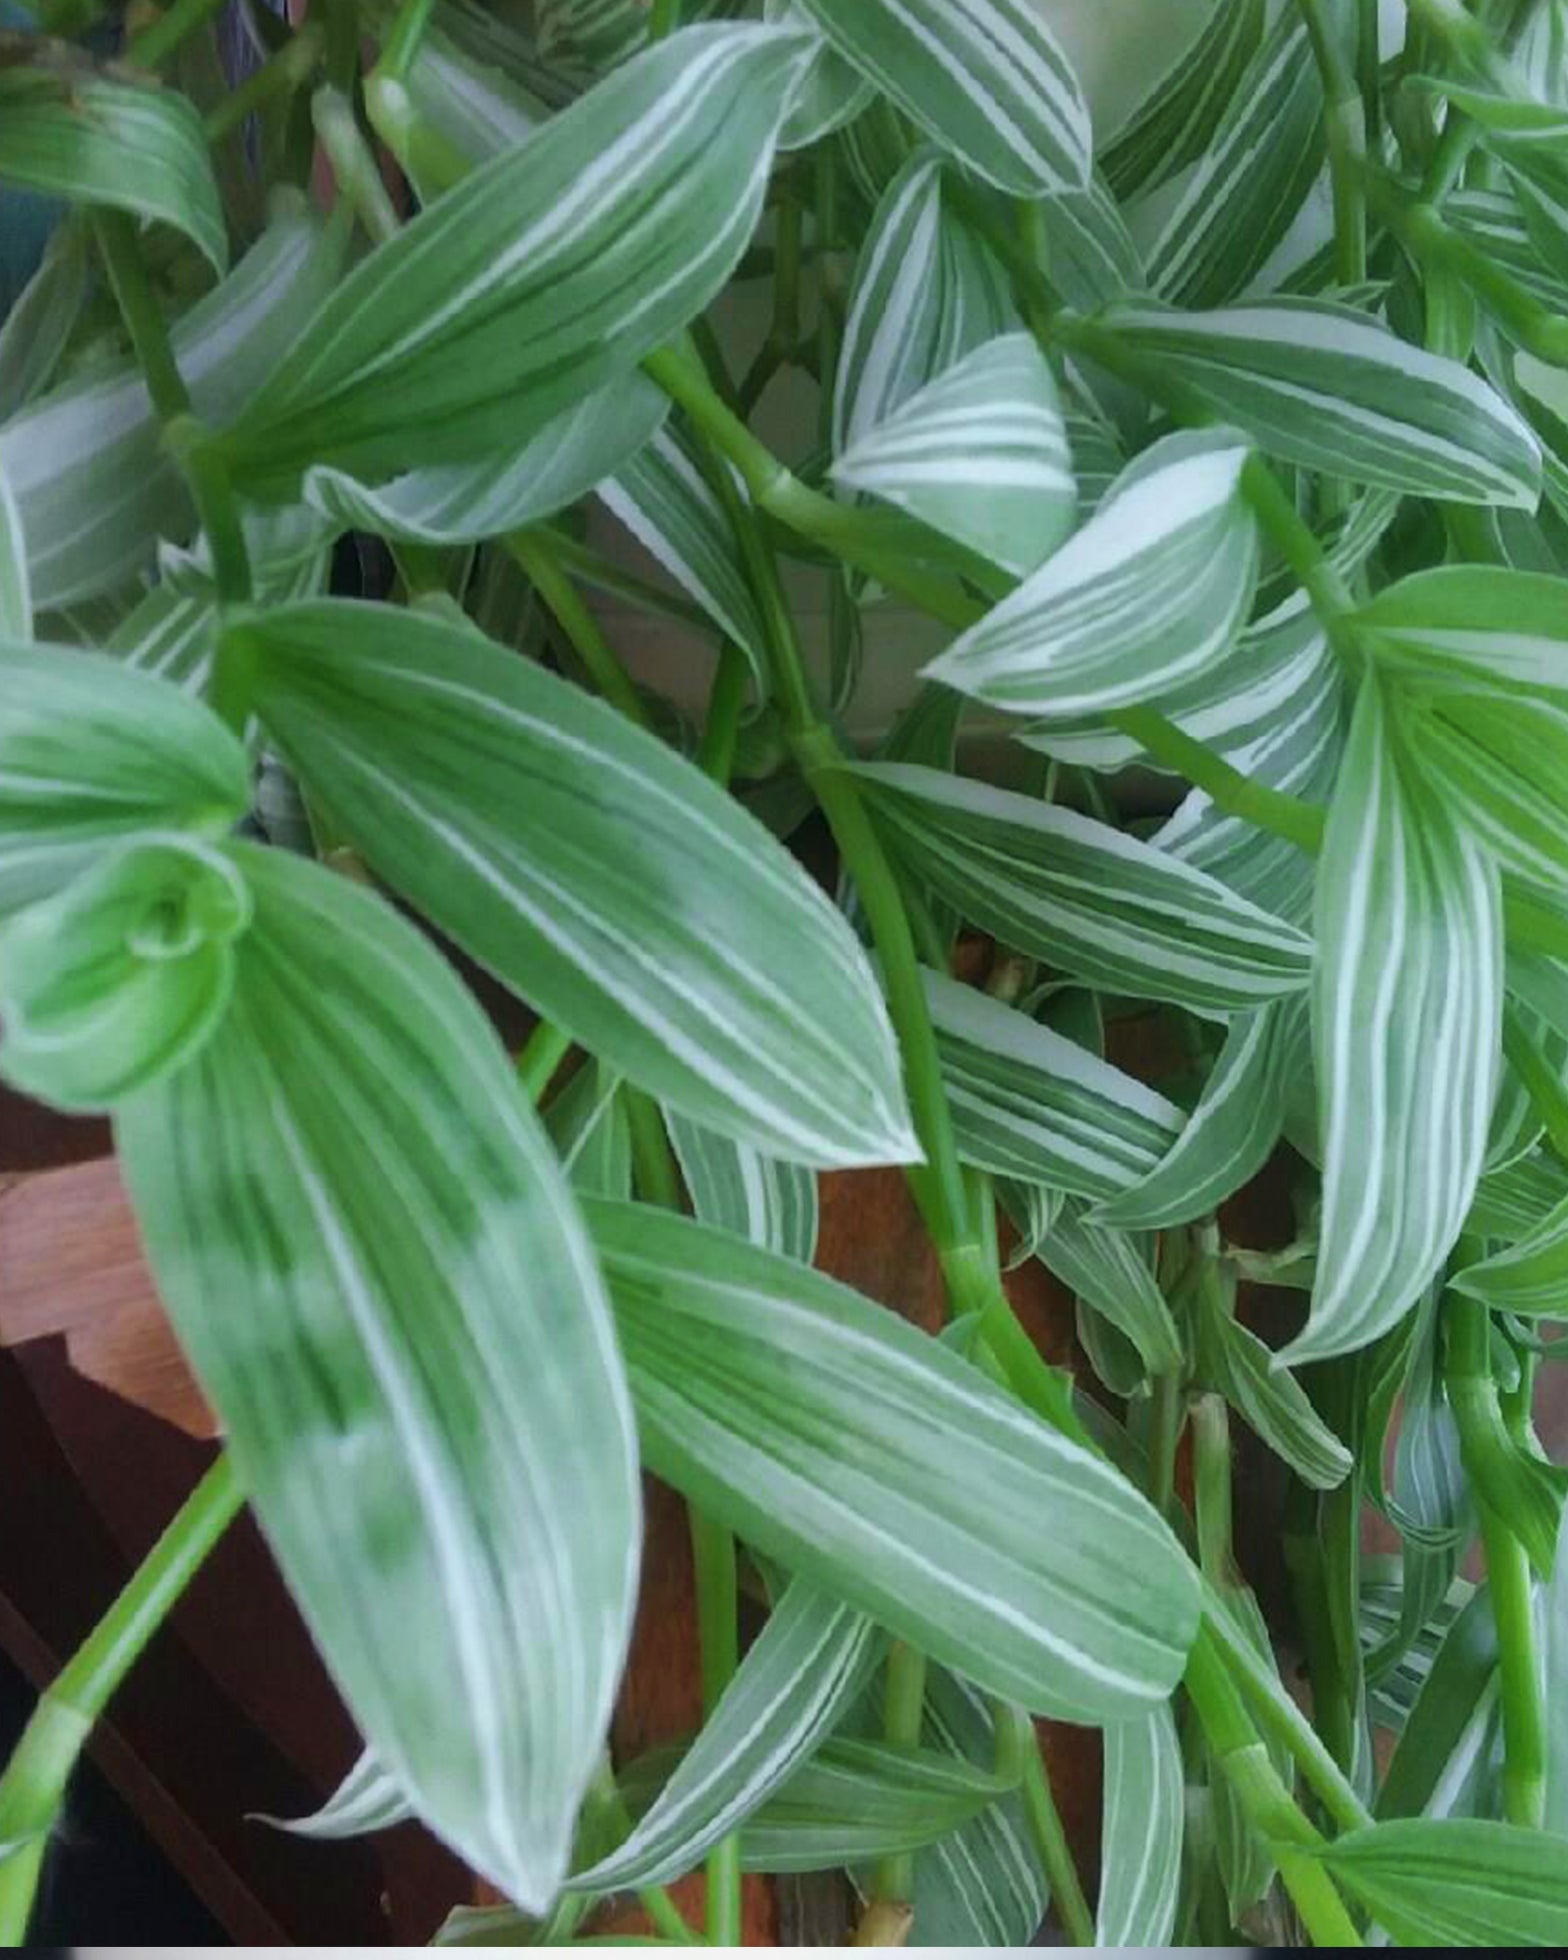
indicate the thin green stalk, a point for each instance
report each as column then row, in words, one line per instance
column 593, row 568
column 1238, row 795
column 403, row 39
column 535, row 552
column 726, row 700
column 605, row 1797
column 1369, row 69
column 279, row 74
column 657, row 1173
column 355, row 170
column 33, row 1786
column 1167, row 1414
column 903, row 1714
column 666, row 18
column 1306, row 1567
column 154, row 44
column 1472, row 1395
column 1346, row 128
column 718, row 1606
column 1050, row 1842
column 542, row 1054
column 342, row 57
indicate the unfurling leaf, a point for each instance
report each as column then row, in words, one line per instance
column 377, row 1271
column 806, row 1418
column 1407, row 1001
column 596, row 872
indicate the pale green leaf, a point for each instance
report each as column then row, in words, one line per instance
column 1098, row 904
column 1113, row 1273
column 1254, row 176
column 126, row 145
column 597, row 33
column 588, row 1126
column 470, row 103
column 90, row 753
column 980, row 453
column 1440, row 1729
column 1141, row 1833
column 985, row 78
column 1152, row 592
column 763, row 1199
column 1029, row 1104
column 505, row 301
column 1232, row 1129
column 1498, row 759
column 1406, row 1019
column 807, row 1419
column 420, row 1387
column 1089, row 255
column 1474, row 622
column 34, row 331
column 1174, row 124
column 119, row 978
column 1327, row 388
column 1528, row 1278
column 458, row 503
column 93, row 482
column 16, row 596
column 598, row 873
column 366, row 1800
column 805, row 1668
column 830, row 94
column 1445, row 1882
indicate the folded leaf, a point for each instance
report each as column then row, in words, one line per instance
column 985, row 78
column 1152, row 591
column 505, row 301
column 120, row 977
column 123, row 144
column 1113, row 1273
column 1320, row 385
column 457, row 503
column 593, row 870
column 1232, row 1130
column 367, row 1799
column 1100, row 905
column 810, row 1661
column 980, row 454
column 764, row 1199
column 380, row 1277
column 1474, row 623
column 94, row 484
column 1027, row 1103
column 830, row 94
column 1255, row 175
column 1407, row 1003
column 807, row 1419
column 1141, row 1835
column 588, row 1126
column 1173, row 125
column 89, row 753
column 1268, row 1398
column 1443, row 1882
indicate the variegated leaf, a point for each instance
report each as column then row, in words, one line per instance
column 985, row 78
column 763, row 1199
column 980, row 453
column 1113, row 1272
column 1141, row 1832
column 1174, row 124
column 368, row 1799
column 831, row 93
column 16, row 594
column 1152, row 592
column 38, row 324
column 1406, row 1018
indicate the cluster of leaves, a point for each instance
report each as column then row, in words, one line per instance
column 1269, row 513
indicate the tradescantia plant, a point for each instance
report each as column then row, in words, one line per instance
column 1222, row 454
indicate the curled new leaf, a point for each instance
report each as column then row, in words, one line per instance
column 122, row 976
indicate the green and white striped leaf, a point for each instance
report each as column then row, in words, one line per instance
column 763, row 1199
column 119, row 144
column 367, row 1799
column 985, row 79
column 1475, row 623
column 830, row 94
column 588, row 1126
column 16, row 594
column 34, row 332
column 596, row 872
column 1457, row 1881
column 94, row 485
column 1530, row 1277
column 1407, row 1003
column 924, row 294
column 1173, row 126
column 980, row 453
column 1512, row 1201
column 1232, row 1130
column 1492, row 220
column 119, row 978
column 662, row 497
column 1100, row 905
column 1090, row 256
column 1253, row 177
column 1113, row 1273
column 596, row 33
column 1327, row 388
column 505, row 301
column 460, row 503
column 422, row 1398
column 1152, row 592
column 1498, row 759
column 91, row 753
column 1267, row 1397
column 805, row 1668
column 806, row 1419
column 1141, row 1834
column 1439, row 1727
column 1029, row 1104
column 472, row 104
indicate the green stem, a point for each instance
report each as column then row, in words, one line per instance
column 666, row 18
column 1238, row 795
column 716, row 751
column 153, row 46
column 658, row 1174
column 1050, row 1842
column 280, row 74
column 401, row 45
column 543, row 1053
column 604, row 575
column 535, row 552
column 718, row 1604
column 1346, row 127
column 1211, row 1489
column 355, row 170
column 1472, row 1395
column 34, row 1783
column 1166, row 1415
column 1307, row 1570
column 903, row 1713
